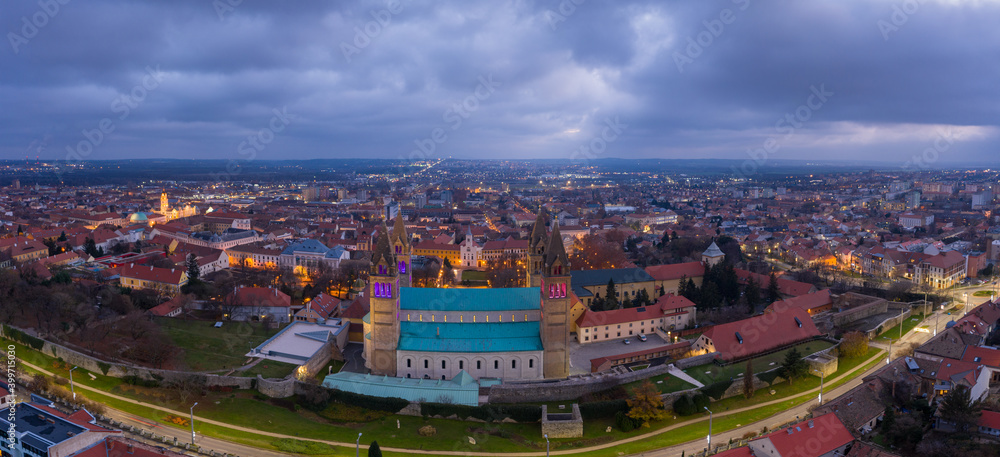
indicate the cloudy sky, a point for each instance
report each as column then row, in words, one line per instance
column 821, row 79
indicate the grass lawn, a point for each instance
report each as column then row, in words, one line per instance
column 209, row 348
column 983, row 293
column 760, row 364
column 473, row 275
column 333, row 367
column 665, row 383
column 269, row 369
column 242, row 408
column 893, row 332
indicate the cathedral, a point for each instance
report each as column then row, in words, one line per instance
column 504, row 333
column 175, row 213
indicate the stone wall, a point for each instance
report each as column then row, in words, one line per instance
column 121, row 370
column 877, row 306
column 569, row 428
column 695, row 361
column 276, row 388
column 318, row 360
column 569, row 389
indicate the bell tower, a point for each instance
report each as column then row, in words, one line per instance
column 164, row 203
column 402, row 249
column 384, row 299
column 536, row 251
column 556, row 316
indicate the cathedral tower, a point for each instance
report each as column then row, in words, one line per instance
column 401, row 247
column 164, row 203
column 384, row 299
column 536, row 251
column 555, row 325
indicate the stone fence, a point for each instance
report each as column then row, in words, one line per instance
column 568, row 389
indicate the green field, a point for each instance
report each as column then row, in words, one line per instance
column 664, row 383
column 893, row 333
column 244, row 408
column 473, row 275
column 983, row 293
column 710, row 372
column 207, row 348
column 268, row 369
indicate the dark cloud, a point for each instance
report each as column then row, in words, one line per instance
column 374, row 79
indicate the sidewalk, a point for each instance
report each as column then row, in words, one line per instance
column 680, row 374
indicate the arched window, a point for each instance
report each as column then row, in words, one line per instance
column 443, row 365
column 426, row 364
column 402, row 267
column 381, row 269
column 409, row 363
column 531, row 363
column 496, row 364
column 513, row 364
column 562, row 290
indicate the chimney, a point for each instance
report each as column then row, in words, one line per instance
column 789, row 430
column 810, row 424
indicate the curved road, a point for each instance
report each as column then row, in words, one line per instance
column 240, row 449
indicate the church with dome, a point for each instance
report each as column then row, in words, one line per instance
column 448, row 333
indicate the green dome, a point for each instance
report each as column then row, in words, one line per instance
column 138, row 217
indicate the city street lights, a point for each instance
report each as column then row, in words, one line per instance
column 822, row 377
column 357, row 446
column 71, row 382
column 192, row 422
column 966, row 309
column 709, row 428
column 546, row 444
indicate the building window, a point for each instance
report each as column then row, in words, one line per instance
column 409, row 363
column 496, row 364
column 426, row 364
column 443, row 365
column 531, row 363
column 513, row 364
column 479, row 364
column 461, row 364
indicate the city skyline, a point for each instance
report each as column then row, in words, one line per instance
column 851, row 81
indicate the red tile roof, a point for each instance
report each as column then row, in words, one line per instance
column 805, row 302
column 262, row 296
column 990, row 419
column 663, row 307
column 826, row 434
column 785, row 286
column 151, row 273
column 762, row 333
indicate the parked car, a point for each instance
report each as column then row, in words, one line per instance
column 642, row 337
column 627, row 341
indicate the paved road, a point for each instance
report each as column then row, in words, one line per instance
column 243, row 450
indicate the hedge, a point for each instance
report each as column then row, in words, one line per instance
column 602, row 409
column 768, row 376
column 717, row 390
column 686, row 405
column 21, row 337
column 625, row 423
column 488, row 413
column 387, row 404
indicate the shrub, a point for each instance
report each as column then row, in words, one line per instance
column 853, row 344
column 427, row 430
column 104, row 367
column 603, row 409
column 687, row 405
column 768, row 376
column 488, row 413
column 716, row 390
column 137, row 381
column 625, row 423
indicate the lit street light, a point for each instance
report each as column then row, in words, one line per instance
column 546, row 444
column 709, row 428
column 192, row 422
column 822, row 377
column 357, row 446
column 71, row 382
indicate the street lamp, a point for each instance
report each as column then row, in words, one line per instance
column 889, row 354
column 966, row 309
column 546, row 444
column 709, row 428
column 822, row 376
column 357, row 446
column 192, row 422
column 71, row 382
